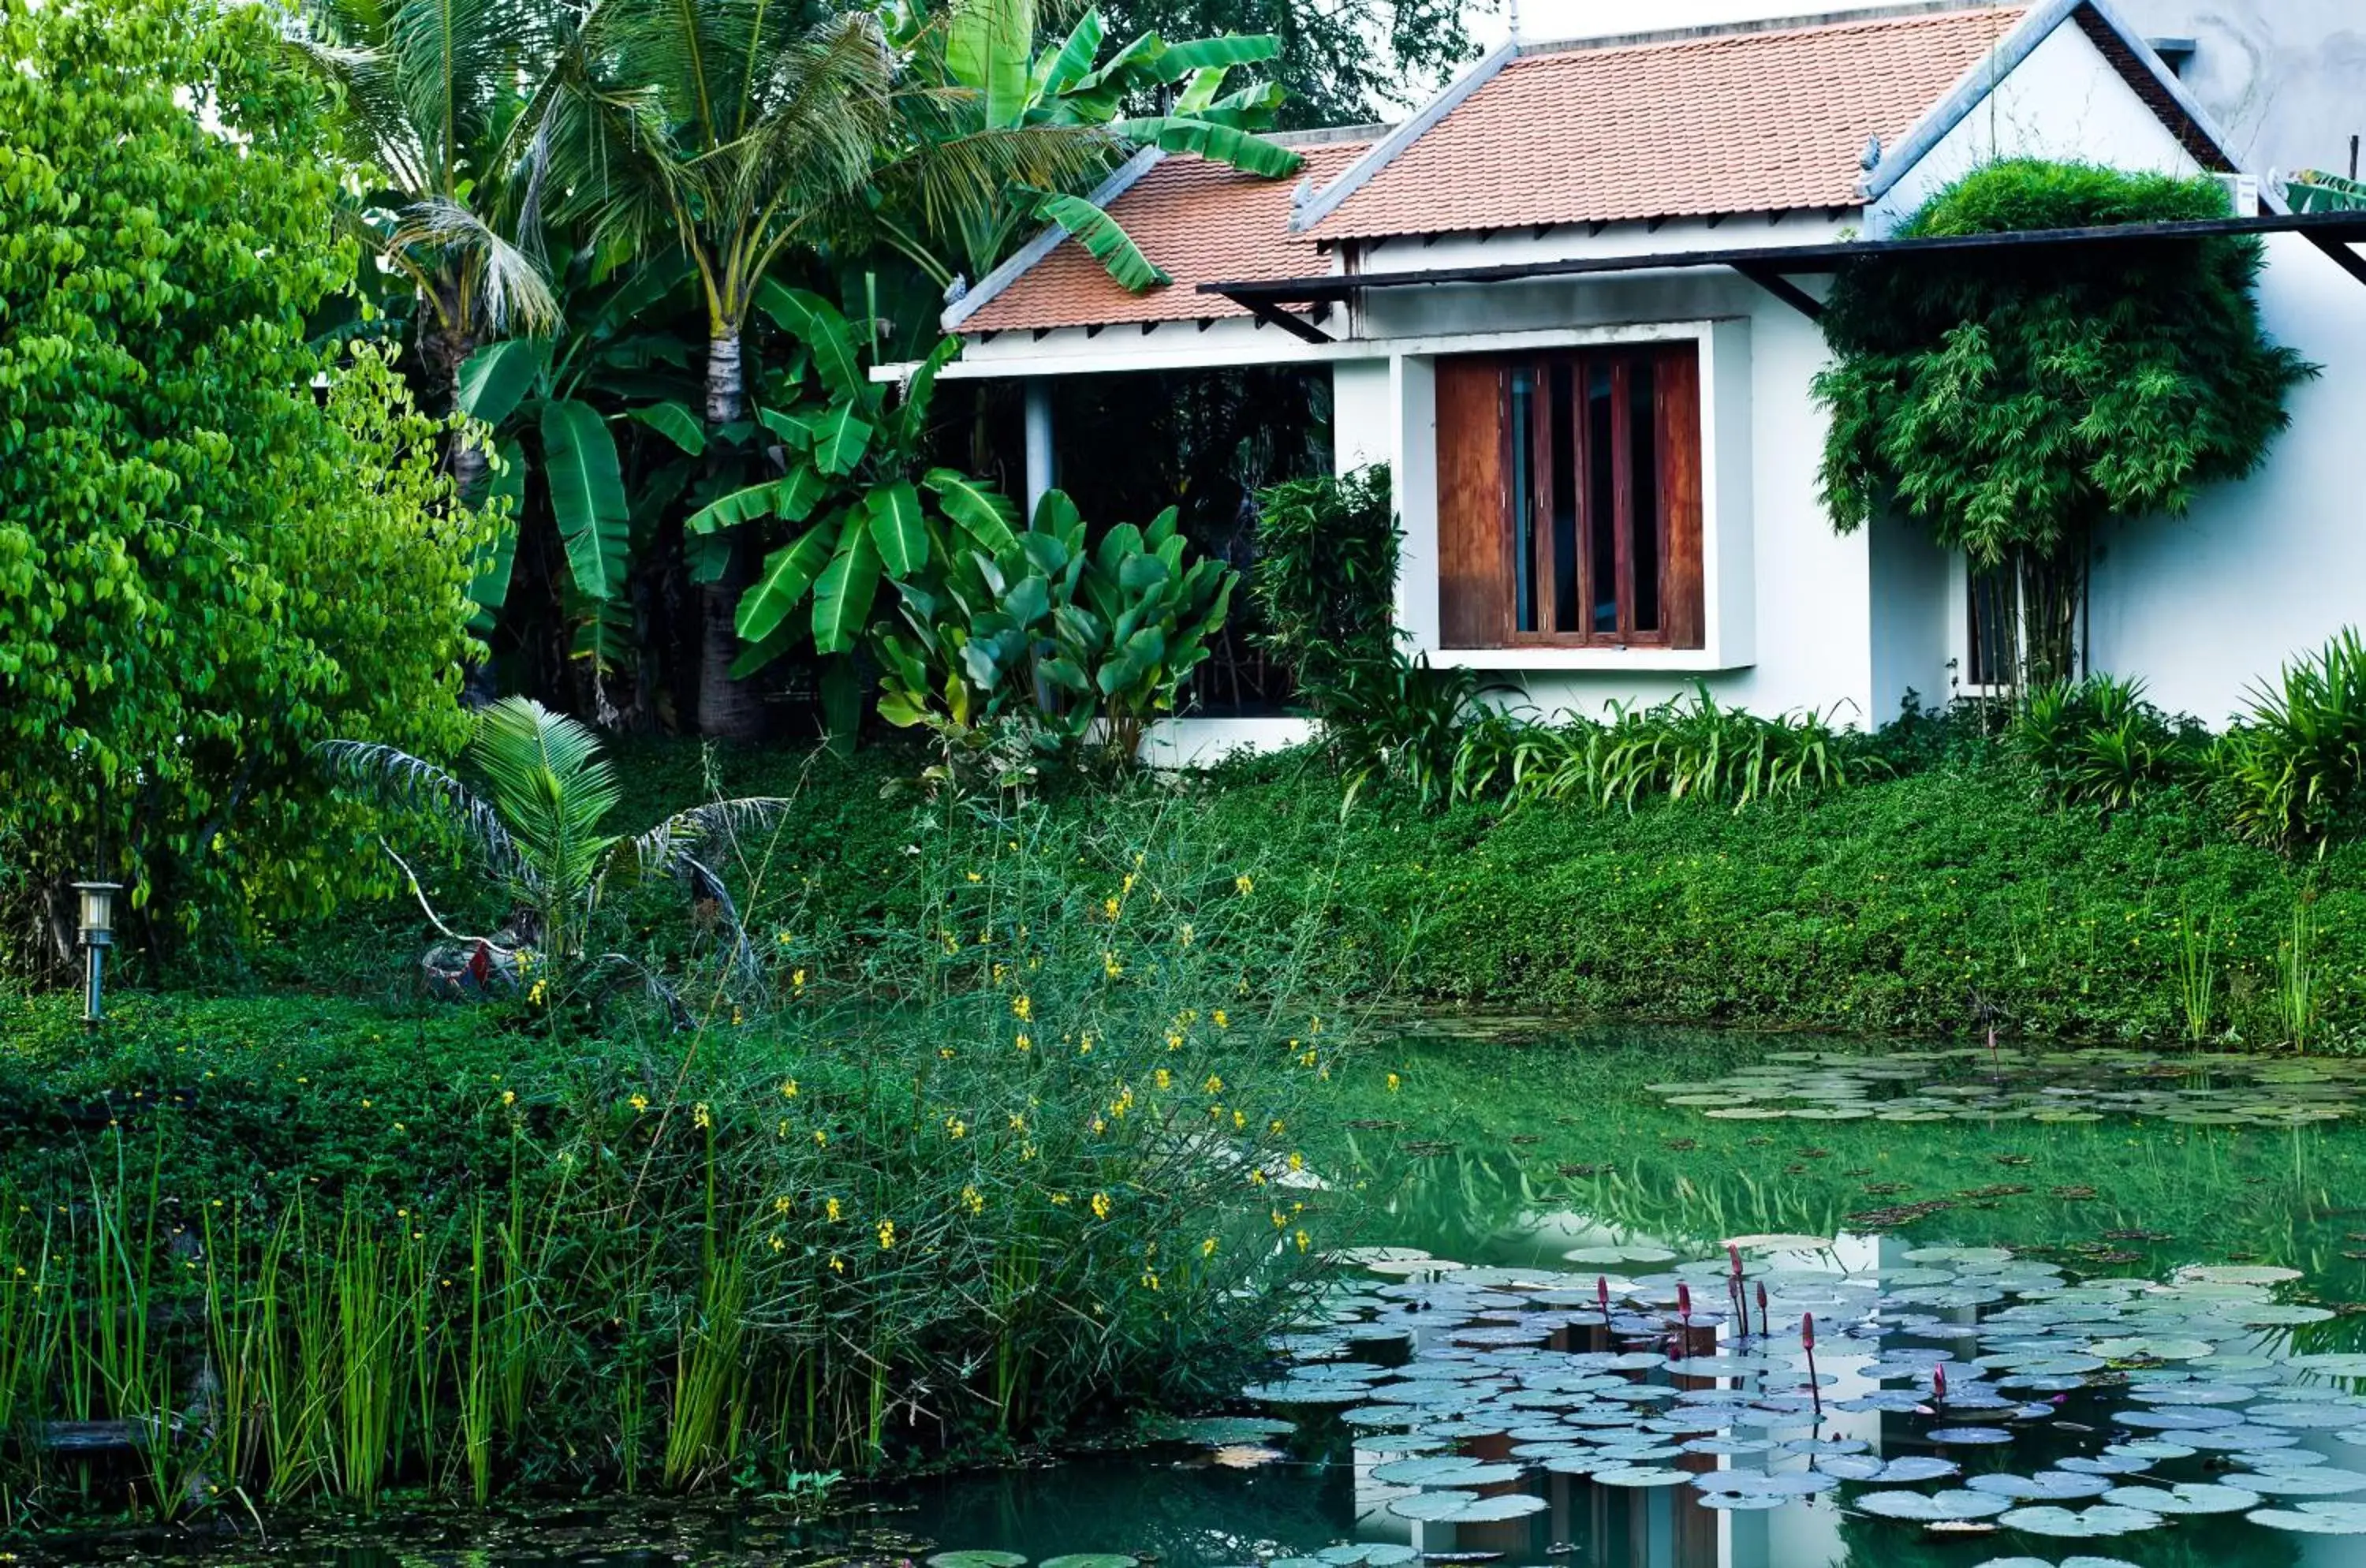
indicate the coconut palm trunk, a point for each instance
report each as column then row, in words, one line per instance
column 727, row 709
column 446, row 341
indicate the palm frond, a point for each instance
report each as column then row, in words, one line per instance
column 552, row 789
column 510, row 285
column 401, row 778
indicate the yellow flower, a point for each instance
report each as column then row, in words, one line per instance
column 1208, row 1248
column 1061, row 1199
column 1024, row 1043
column 1023, row 1007
column 1109, row 907
column 1175, row 1043
column 1274, row 1127
column 1297, row 1160
column 1085, row 1046
column 781, row 1205
column 955, row 1127
column 640, row 1104
column 1244, row 886
column 944, row 1052
column 1018, row 1123
column 1127, row 886
column 1026, row 1152
column 1149, row 1279
column 821, row 1138
column 830, row 1211
column 887, row 1236
column 797, row 979
column 1301, row 1241
column 1213, row 1085
column 736, row 1018
column 782, row 937
column 1221, row 1021
column 701, row 1116
column 1110, row 966
column 975, row 878
column 1279, row 1222
column 541, row 990
column 789, row 1089
column 1257, row 1177
column 837, row 1265
column 1394, row 1082
column 973, row 1200
column 1185, row 937
column 1239, row 1121
column 1100, row 1205
column 509, row 1097
column 1099, row 1127
column 1163, row 1078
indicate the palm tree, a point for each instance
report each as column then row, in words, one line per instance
column 535, row 829
column 433, row 91
column 748, row 131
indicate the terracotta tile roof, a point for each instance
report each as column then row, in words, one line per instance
column 1201, row 221
column 1736, row 123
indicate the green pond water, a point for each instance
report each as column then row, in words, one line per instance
column 2142, row 1278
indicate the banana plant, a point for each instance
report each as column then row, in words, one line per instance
column 993, row 80
column 849, row 454
column 2313, row 190
column 547, row 401
column 1056, row 633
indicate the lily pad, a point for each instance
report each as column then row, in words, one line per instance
column 1933, row 1508
column 2080, row 1523
column 980, row 1559
column 2194, row 1497
column 2314, row 1518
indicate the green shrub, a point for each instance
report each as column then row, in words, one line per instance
column 2097, row 742
column 1324, row 583
column 1052, row 637
column 1024, row 1162
column 205, row 565
column 2293, row 765
column 1689, row 749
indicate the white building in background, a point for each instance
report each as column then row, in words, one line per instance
column 1570, row 301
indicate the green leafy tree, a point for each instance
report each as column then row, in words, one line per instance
column 205, row 565
column 990, row 78
column 431, row 93
column 2015, row 404
column 1343, row 63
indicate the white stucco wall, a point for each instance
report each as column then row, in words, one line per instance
column 2197, row 607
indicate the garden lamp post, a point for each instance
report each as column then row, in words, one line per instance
column 97, row 936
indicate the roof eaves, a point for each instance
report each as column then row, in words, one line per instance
column 1377, row 157
column 993, row 284
column 1985, row 76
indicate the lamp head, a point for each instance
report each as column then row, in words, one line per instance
column 98, row 911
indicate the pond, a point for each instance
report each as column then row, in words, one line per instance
column 1667, row 1299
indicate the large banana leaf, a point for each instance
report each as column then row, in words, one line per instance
column 587, row 495
column 1178, row 60
column 1060, row 69
column 489, row 586
column 788, row 572
column 892, row 512
column 791, row 498
column 841, row 438
column 498, row 375
column 843, row 592
column 982, row 513
column 986, row 49
column 1104, row 238
column 2313, row 190
column 1217, row 143
column 674, row 421
column 827, row 336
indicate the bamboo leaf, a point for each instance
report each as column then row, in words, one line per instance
column 587, row 495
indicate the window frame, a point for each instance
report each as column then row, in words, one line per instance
column 1581, row 362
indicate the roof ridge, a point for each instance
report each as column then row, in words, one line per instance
column 1323, row 135
column 1905, row 11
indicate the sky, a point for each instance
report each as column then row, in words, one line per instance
column 1574, row 18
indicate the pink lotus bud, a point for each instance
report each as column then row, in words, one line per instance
column 1939, row 1382
column 1684, row 1302
column 1808, row 1330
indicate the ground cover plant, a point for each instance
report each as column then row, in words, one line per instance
column 1024, row 1161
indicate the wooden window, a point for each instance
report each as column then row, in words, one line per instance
column 1569, row 499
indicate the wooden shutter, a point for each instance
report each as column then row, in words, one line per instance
column 1474, row 599
column 1676, row 378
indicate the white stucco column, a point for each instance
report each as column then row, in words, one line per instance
column 1039, row 441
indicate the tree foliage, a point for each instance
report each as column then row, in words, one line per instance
column 2013, row 402
column 206, row 563
column 1340, row 63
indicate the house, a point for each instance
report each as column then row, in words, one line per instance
column 1572, row 302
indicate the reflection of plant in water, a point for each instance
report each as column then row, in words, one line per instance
column 1610, row 1152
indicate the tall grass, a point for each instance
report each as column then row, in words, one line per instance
column 2294, row 766
column 1021, row 1165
